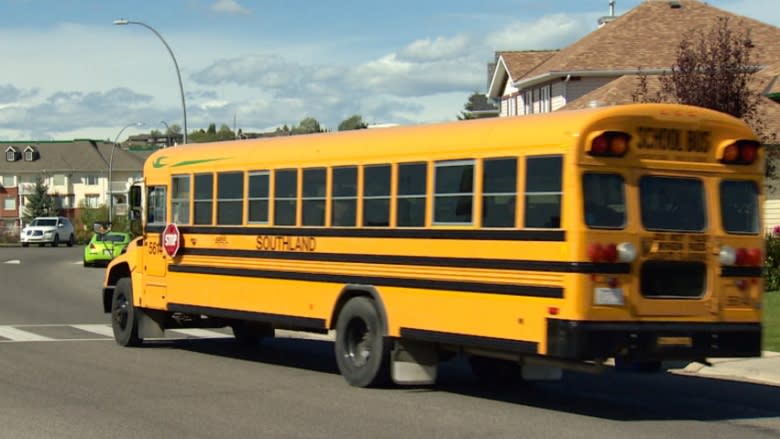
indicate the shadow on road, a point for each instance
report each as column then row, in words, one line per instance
column 610, row 395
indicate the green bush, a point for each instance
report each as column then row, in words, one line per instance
column 772, row 263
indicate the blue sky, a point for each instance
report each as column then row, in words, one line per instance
column 68, row 72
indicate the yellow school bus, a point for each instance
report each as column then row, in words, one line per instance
column 528, row 244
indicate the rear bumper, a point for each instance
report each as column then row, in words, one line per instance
column 590, row 340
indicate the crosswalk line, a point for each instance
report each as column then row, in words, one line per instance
column 99, row 329
column 199, row 333
column 17, row 334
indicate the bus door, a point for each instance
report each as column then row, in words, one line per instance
column 155, row 259
column 676, row 266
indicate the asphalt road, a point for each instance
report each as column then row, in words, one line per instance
column 62, row 376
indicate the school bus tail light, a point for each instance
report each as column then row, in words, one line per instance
column 741, row 152
column 609, row 144
column 623, row 252
column 741, row 256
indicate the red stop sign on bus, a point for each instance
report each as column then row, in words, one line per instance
column 171, row 239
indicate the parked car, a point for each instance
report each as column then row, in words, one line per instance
column 103, row 247
column 48, row 230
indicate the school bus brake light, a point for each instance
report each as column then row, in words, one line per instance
column 742, row 152
column 609, row 144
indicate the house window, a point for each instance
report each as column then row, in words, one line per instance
column 9, row 204
column 91, row 180
column 10, row 155
column 7, row 180
column 528, row 102
column 546, row 99
column 92, row 201
column 58, row 179
column 29, row 155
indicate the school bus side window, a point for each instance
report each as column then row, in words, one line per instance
column 376, row 196
column 203, row 201
column 499, row 192
column 410, row 201
column 344, row 196
column 230, row 198
column 285, row 196
column 156, row 205
column 258, row 197
column 313, row 197
column 454, row 192
column 180, row 199
column 543, row 185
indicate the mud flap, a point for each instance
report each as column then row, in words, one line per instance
column 148, row 327
column 414, row 363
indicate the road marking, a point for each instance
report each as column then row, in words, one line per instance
column 99, row 329
column 199, row 333
column 13, row 261
column 16, row 334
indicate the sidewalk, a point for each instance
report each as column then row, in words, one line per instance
column 764, row 370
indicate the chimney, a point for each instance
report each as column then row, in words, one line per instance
column 611, row 17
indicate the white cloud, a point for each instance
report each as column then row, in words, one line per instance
column 229, row 7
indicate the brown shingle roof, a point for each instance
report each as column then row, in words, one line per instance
column 620, row 91
column 69, row 156
column 519, row 63
column 648, row 37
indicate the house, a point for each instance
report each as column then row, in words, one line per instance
column 602, row 68
column 75, row 172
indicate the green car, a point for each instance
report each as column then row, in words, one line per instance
column 103, row 247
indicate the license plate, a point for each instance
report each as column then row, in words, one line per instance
column 675, row 341
column 608, row 296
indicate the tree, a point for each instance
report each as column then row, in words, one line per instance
column 39, row 203
column 308, row 125
column 478, row 107
column 225, row 133
column 155, row 133
column 212, row 129
column 354, row 122
column 714, row 69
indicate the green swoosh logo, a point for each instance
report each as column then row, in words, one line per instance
column 159, row 162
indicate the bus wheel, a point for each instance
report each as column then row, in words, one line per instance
column 124, row 320
column 496, row 372
column 362, row 351
column 251, row 333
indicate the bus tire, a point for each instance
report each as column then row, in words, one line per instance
column 362, row 350
column 124, row 318
column 251, row 333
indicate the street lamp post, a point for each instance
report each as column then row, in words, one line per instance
column 123, row 22
column 111, row 167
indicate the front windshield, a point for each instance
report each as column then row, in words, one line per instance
column 110, row 238
column 44, row 222
column 739, row 206
column 672, row 204
column 605, row 201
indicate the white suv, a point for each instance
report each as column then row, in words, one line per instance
column 48, row 230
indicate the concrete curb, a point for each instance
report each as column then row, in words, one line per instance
column 763, row 370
